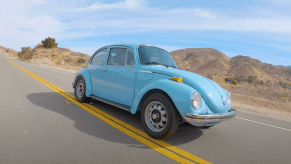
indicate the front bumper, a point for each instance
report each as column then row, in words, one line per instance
column 210, row 118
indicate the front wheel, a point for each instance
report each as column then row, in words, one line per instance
column 80, row 90
column 159, row 117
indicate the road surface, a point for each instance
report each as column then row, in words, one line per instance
column 37, row 125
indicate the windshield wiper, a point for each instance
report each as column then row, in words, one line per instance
column 155, row 63
column 171, row 66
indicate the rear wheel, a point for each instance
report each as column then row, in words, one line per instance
column 159, row 117
column 80, row 90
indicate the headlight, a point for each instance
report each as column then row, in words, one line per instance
column 196, row 100
column 229, row 98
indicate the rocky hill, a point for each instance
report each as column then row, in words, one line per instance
column 240, row 74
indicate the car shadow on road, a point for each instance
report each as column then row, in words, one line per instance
column 90, row 124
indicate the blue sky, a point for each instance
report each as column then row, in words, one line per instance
column 257, row 28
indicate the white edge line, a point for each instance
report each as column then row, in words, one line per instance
column 264, row 124
column 52, row 69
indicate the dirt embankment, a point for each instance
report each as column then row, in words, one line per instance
column 53, row 57
column 262, row 106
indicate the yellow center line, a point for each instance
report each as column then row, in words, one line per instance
column 172, row 152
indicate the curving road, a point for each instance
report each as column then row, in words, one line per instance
column 37, row 125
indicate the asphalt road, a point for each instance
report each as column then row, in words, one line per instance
column 38, row 126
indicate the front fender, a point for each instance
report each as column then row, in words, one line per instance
column 86, row 75
column 180, row 94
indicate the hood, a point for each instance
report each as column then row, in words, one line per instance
column 212, row 93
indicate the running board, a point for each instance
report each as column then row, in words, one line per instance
column 118, row 105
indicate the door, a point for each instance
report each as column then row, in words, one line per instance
column 118, row 76
column 95, row 69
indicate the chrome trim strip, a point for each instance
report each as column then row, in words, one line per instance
column 145, row 71
column 210, row 118
column 109, row 103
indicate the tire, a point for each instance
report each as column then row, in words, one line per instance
column 80, row 90
column 160, row 119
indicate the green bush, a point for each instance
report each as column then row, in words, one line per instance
column 53, row 55
column 234, row 81
column 49, row 43
column 81, row 61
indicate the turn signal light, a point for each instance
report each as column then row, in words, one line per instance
column 177, row 79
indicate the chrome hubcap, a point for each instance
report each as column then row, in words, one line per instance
column 156, row 116
column 80, row 88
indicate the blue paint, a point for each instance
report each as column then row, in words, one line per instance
column 127, row 85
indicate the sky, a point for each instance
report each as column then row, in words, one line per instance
column 260, row 29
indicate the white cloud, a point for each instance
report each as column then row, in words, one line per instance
column 127, row 4
column 285, row 48
column 283, row 61
column 28, row 22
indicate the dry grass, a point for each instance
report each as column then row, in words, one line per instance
column 56, row 57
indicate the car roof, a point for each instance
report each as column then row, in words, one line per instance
column 132, row 45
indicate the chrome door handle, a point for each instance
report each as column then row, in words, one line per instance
column 104, row 69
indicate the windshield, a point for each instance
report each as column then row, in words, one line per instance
column 149, row 55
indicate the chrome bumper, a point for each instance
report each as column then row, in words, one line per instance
column 210, row 118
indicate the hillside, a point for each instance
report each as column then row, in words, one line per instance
column 202, row 60
column 281, row 71
column 244, row 74
column 55, row 57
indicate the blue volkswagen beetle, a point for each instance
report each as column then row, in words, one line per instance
column 145, row 78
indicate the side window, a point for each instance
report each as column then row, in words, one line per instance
column 99, row 58
column 129, row 58
column 117, row 56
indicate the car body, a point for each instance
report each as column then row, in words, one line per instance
column 127, row 75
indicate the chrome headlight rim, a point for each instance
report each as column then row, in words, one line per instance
column 196, row 100
column 229, row 98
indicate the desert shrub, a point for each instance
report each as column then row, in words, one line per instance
column 25, row 49
column 240, row 78
column 231, row 81
column 261, row 82
column 187, row 69
column 81, row 61
column 251, row 79
column 53, row 55
column 228, row 80
column 188, row 55
column 285, row 85
column 20, row 54
column 29, row 56
column 234, row 81
column 49, row 43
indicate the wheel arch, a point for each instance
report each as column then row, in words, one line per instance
column 86, row 75
column 178, row 93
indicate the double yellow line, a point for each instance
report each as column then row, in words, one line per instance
column 160, row 146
